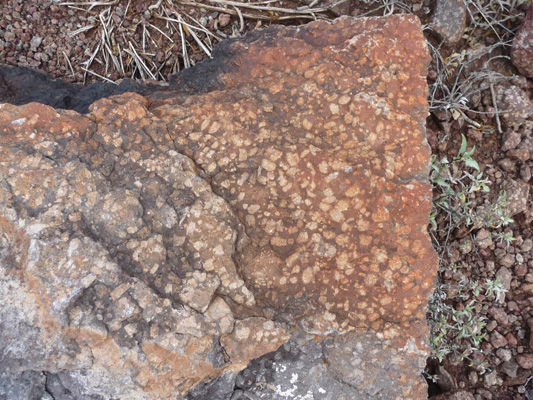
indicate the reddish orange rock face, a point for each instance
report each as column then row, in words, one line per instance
column 279, row 191
column 317, row 142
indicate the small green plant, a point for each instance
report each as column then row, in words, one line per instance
column 456, row 182
column 496, row 216
column 460, row 331
column 457, row 186
column 506, row 237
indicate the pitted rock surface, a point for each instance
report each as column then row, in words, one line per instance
column 321, row 154
column 155, row 246
column 449, row 20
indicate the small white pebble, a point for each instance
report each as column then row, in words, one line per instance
column 18, row 121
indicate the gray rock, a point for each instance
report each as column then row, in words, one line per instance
column 295, row 371
column 483, row 238
column 504, row 354
column 509, row 368
column 65, row 386
column 510, row 140
column 462, row 395
column 473, row 378
column 351, row 359
column 35, row 43
column 492, row 379
column 514, row 104
column 29, row 385
column 449, row 20
column 221, row 388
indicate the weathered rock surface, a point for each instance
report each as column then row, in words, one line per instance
column 522, row 50
column 338, row 368
column 154, row 247
column 514, row 104
column 449, row 20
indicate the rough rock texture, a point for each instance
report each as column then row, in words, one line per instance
column 449, row 20
column 522, row 50
column 154, row 247
column 517, row 194
column 514, row 104
column 338, row 368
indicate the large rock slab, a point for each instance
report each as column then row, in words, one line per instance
column 155, row 246
column 319, row 149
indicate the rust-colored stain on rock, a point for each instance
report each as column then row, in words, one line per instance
column 321, row 153
column 182, row 235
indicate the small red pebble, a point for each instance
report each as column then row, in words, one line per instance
column 511, row 339
column 224, row 19
column 525, row 360
column 512, row 306
column 520, row 270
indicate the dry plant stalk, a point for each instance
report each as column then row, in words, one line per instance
column 169, row 29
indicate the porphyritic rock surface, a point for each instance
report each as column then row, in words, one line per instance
column 155, row 246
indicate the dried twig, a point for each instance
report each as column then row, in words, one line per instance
column 67, row 63
column 136, row 58
column 99, row 76
column 81, row 30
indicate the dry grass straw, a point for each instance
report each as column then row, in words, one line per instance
column 265, row 12
column 173, row 31
column 465, row 75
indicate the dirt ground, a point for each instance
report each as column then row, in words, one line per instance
column 482, row 317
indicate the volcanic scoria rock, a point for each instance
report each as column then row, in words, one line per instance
column 154, row 247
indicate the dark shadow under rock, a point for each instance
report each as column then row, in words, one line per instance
column 21, row 86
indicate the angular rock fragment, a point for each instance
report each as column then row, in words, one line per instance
column 157, row 245
column 449, row 20
column 514, row 104
column 517, row 196
column 522, row 50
